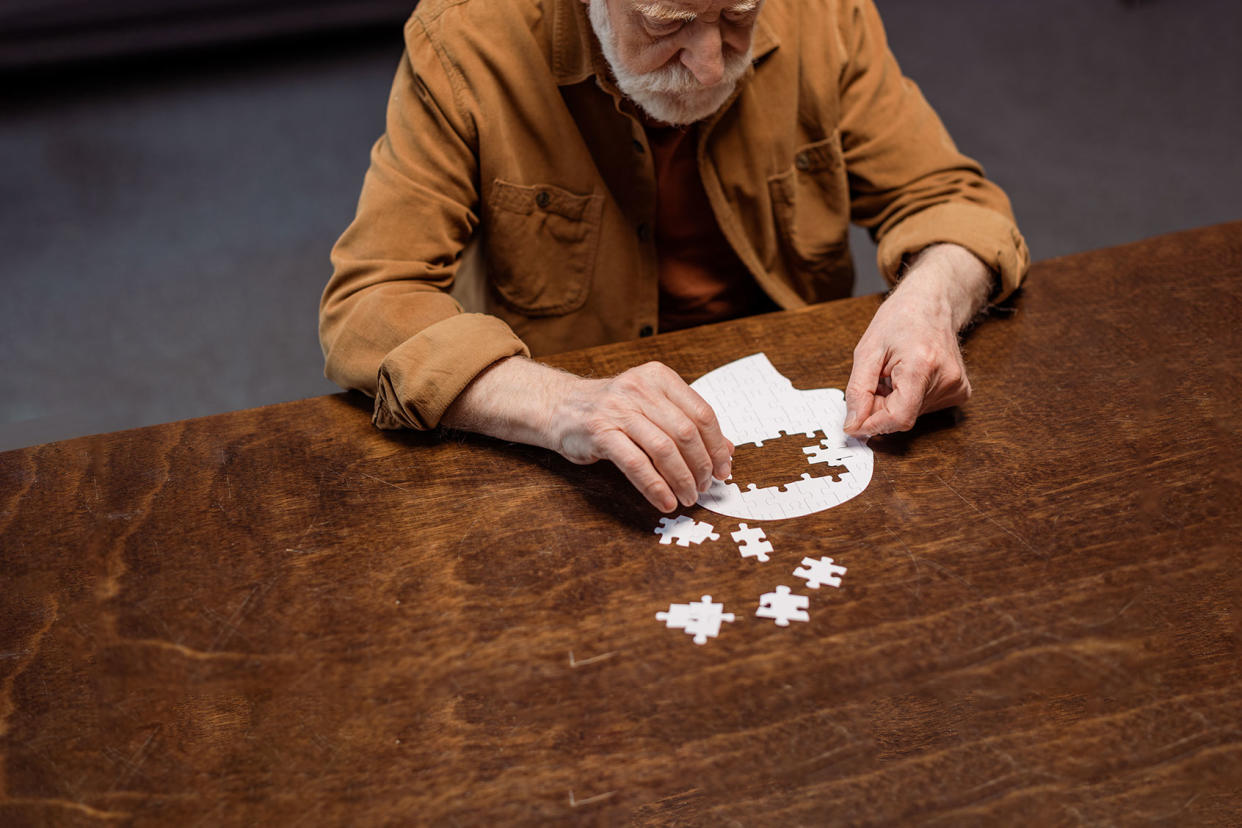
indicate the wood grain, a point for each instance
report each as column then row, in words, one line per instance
column 285, row 616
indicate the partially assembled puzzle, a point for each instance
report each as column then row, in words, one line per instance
column 754, row 403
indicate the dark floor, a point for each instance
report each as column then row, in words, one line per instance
column 167, row 221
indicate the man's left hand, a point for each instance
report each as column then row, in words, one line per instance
column 909, row 362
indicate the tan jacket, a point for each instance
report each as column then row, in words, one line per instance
column 504, row 128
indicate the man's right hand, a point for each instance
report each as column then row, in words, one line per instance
column 647, row 421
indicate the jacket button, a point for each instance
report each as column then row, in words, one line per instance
column 542, row 198
column 803, row 162
column 646, row 330
column 644, row 232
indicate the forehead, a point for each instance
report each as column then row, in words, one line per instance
column 691, row 8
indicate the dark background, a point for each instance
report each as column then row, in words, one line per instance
column 174, row 174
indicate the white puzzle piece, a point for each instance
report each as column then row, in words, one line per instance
column 701, row 619
column 753, row 403
column 819, row 571
column 751, row 543
column 684, row 530
column 782, row 607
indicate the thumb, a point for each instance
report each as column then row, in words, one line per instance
column 899, row 410
column 860, row 392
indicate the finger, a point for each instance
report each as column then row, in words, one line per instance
column 861, row 390
column 717, row 447
column 665, row 455
column 899, row 410
column 637, row 468
column 677, row 424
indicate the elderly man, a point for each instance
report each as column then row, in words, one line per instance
column 626, row 167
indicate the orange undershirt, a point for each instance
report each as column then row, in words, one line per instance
column 701, row 279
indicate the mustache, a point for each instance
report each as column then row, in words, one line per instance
column 676, row 79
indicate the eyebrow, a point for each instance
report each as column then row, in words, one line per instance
column 659, row 11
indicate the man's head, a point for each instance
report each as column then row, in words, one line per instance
column 679, row 60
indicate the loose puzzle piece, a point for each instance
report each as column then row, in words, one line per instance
column 821, row 571
column 751, row 542
column 684, row 530
column 782, row 607
column 701, row 619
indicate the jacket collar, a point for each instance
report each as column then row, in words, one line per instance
column 576, row 55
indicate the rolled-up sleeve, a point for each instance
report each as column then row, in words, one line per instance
column 909, row 185
column 387, row 325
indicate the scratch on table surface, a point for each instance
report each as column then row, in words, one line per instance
column 201, row 655
column 133, row 764
column 385, row 482
column 848, row 747
column 1194, row 743
column 1168, row 815
column 231, row 625
column 1117, row 614
column 314, row 524
column 991, row 519
column 578, row 803
column 918, row 570
column 1000, row 639
column 6, row 687
column 576, row 663
column 67, row 803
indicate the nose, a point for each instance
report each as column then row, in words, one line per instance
column 703, row 55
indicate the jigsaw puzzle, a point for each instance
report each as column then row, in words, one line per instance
column 817, row 572
column 753, row 403
column 751, row 543
column 684, row 530
column 701, row 619
column 782, row 606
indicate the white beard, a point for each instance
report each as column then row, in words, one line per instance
column 670, row 94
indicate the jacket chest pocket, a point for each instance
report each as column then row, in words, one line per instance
column 810, row 206
column 541, row 244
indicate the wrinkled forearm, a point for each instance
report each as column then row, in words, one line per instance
column 513, row 399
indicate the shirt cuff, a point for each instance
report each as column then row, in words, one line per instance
column 421, row 377
column 991, row 236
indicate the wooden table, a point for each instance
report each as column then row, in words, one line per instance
column 286, row 616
